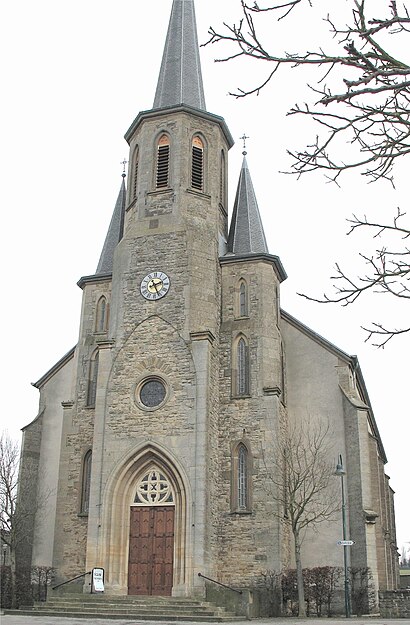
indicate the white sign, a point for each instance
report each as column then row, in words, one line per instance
column 345, row 543
column 97, row 584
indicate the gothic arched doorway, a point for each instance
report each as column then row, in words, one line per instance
column 148, row 488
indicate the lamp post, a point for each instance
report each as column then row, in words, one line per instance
column 340, row 471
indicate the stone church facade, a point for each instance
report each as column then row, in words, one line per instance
column 156, row 431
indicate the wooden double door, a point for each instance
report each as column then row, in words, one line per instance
column 151, row 551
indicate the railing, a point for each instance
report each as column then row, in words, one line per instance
column 220, row 583
column 71, row 580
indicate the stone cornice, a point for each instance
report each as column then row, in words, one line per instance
column 96, row 279
column 205, row 335
column 275, row 261
column 182, row 108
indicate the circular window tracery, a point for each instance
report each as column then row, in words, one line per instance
column 151, row 393
column 154, row 489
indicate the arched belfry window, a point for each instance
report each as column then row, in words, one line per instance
column 163, row 147
column 197, row 164
column 101, row 317
column 242, row 367
column 86, row 483
column 243, row 299
column 92, row 380
column 135, row 174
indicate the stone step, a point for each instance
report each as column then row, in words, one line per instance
column 128, row 607
column 198, row 618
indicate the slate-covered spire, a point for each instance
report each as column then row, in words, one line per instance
column 114, row 234
column 246, row 235
column 180, row 78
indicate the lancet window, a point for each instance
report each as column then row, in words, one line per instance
column 86, row 483
column 101, row 317
column 242, row 362
column 243, row 299
column 135, row 174
column 92, row 380
column 241, row 485
column 242, row 477
column 222, row 180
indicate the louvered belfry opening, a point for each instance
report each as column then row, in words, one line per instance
column 163, row 162
column 197, row 164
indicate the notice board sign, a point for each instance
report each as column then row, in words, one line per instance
column 97, row 580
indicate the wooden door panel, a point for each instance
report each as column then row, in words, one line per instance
column 151, row 551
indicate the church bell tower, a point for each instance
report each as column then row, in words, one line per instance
column 157, row 391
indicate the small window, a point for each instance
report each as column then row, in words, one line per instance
column 283, row 376
column 92, row 380
column 197, row 164
column 86, row 483
column 243, row 299
column 163, row 162
column 222, row 180
column 101, row 316
column 135, row 174
column 242, row 477
column 242, row 358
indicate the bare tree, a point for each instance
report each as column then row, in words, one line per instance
column 360, row 105
column 362, row 93
column 302, row 485
column 386, row 272
column 9, row 461
column 19, row 506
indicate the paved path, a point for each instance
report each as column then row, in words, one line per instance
column 11, row 619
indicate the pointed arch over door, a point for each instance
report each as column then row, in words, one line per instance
column 121, row 525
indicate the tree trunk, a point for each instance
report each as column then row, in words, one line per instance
column 13, row 578
column 299, row 576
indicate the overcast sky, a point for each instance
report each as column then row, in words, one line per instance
column 75, row 75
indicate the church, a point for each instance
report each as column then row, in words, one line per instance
column 155, row 433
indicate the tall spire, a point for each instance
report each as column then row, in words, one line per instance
column 246, row 235
column 180, row 78
column 114, row 234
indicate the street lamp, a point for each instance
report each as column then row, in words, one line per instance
column 340, row 471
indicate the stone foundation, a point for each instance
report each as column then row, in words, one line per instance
column 395, row 604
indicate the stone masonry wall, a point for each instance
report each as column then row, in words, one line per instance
column 395, row 604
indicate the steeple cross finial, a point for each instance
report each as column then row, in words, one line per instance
column 123, row 163
column 243, row 138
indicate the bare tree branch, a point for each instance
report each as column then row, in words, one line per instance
column 386, row 272
column 373, row 113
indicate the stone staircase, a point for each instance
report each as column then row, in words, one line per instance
column 94, row 606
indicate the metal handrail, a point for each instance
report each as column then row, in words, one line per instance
column 220, row 584
column 71, row 580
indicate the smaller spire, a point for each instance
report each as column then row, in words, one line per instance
column 115, row 230
column 246, row 234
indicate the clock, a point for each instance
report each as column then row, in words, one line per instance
column 155, row 285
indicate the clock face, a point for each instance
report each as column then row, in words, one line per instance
column 155, row 285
